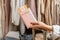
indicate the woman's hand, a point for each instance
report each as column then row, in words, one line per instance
column 37, row 24
column 41, row 25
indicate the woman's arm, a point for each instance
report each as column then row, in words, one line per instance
column 47, row 27
column 41, row 25
column 55, row 28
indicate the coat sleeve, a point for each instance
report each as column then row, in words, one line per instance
column 56, row 32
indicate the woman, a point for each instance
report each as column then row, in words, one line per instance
column 55, row 29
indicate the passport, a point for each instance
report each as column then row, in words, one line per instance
column 27, row 16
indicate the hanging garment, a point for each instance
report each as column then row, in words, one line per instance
column 0, row 22
column 13, row 10
column 49, row 13
column 42, row 6
column 54, row 11
column 0, row 16
column 7, row 14
column 58, row 10
column 3, row 19
column 46, row 12
column 39, row 11
column 22, row 26
column 59, row 19
column 15, row 4
column 15, row 15
column 33, row 7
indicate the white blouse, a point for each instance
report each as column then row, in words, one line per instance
column 56, row 32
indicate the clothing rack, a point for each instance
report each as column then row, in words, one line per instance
column 46, row 11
